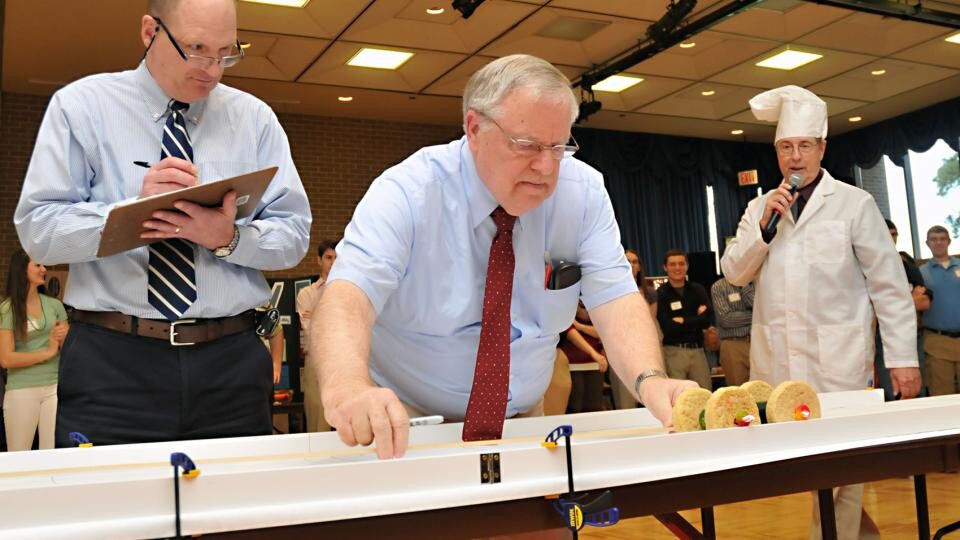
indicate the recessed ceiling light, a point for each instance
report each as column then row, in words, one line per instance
column 954, row 38
column 708, row 93
column 788, row 60
column 435, row 10
column 284, row 3
column 245, row 45
column 855, row 118
column 379, row 58
column 616, row 83
column 344, row 98
column 878, row 72
column 737, row 132
column 688, row 44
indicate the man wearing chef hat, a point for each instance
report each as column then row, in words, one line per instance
column 824, row 268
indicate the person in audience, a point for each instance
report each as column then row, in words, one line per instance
column 734, row 310
column 459, row 270
column 584, row 351
column 163, row 341
column 921, row 302
column 821, row 274
column 941, row 335
column 683, row 311
column 306, row 301
column 648, row 292
column 33, row 327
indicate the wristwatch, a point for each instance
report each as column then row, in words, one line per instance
column 225, row 251
column 644, row 376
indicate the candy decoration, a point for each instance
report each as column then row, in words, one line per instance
column 743, row 418
column 802, row 412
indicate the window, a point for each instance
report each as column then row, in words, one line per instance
column 712, row 225
column 933, row 208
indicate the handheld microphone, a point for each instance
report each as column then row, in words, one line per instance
column 794, row 180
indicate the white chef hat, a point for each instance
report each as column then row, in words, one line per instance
column 797, row 111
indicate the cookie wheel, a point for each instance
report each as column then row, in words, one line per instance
column 731, row 406
column 793, row 400
column 760, row 390
column 688, row 409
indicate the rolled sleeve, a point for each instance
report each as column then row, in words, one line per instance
column 605, row 271
column 376, row 245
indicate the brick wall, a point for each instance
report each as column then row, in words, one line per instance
column 337, row 159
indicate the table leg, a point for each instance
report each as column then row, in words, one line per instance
column 828, row 519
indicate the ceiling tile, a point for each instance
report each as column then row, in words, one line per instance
column 782, row 26
column 900, row 77
column 616, row 36
column 646, row 10
column 271, row 56
column 725, row 101
column 870, row 34
column 317, row 19
column 832, row 64
column 418, row 72
column 936, row 51
column 712, row 53
column 453, row 83
column 406, row 24
column 651, row 89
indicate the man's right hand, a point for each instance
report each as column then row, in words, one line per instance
column 169, row 174
column 779, row 201
column 658, row 395
column 364, row 414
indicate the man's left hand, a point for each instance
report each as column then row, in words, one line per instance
column 906, row 381
column 207, row 227
column 659, row 394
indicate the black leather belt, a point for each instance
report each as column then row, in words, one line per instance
column 182, row 332
column 736, row 338
column 684, row 345
column 944, row 332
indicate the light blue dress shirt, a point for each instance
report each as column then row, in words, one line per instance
column 82, row 166
column 944, row 312
column 418, row 246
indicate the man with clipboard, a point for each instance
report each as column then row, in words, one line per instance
column 163, row 343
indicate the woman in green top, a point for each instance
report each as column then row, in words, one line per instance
column 32, row 329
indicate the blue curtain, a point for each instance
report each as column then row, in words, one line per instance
column 656, row 184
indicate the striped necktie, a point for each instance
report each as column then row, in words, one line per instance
column 171, row 277
column 491, row 379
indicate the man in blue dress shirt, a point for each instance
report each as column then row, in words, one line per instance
column 128, row 373
column 403, row 303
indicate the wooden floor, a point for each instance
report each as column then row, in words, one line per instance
column 889, row 502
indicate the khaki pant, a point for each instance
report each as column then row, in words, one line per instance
column 312, row 406
column 688, row 364
column 27, row 410
column 622, row 396
column 558, row 393
column 942, row 363
column 735, row 360
column 852, row 521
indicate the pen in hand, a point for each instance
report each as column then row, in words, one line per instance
column 143, row 164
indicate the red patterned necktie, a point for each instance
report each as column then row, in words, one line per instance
column 491, row 380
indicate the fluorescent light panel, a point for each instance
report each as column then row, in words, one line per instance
column 954, row 38
column 379, row 58
column 616, row 83
column 284, row 3
column 788, row 60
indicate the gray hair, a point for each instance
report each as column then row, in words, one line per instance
column 487, row 87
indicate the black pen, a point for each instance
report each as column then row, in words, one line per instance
column 143, row 164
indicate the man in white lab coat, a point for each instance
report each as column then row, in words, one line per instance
column 822, row 274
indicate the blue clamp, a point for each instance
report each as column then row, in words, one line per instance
column 79, row 439
column 179, row 459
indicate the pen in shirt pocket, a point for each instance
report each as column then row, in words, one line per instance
column 547, row 269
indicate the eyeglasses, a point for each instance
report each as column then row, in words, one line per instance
column 784, row 148
column 200, row 61
column 528, row 148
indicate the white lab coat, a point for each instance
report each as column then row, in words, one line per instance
column 818, row 285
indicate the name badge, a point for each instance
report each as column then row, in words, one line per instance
column 676, row 306
column 734, row 297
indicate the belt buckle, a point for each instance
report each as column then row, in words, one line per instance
column 173, row 333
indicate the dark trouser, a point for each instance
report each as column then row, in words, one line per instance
column 586, row 393
column 115, row 388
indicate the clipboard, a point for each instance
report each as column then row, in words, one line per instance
column 124, row 222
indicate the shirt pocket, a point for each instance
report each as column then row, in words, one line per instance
column 558, row 309
column 826, row 242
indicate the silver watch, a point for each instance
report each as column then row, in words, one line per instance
column 646, row 375
column 225, row 251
